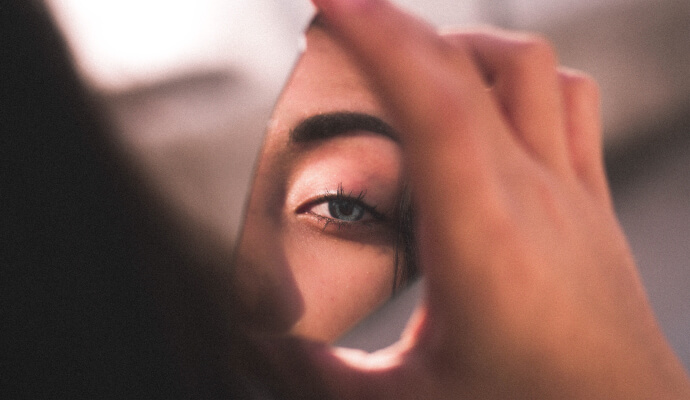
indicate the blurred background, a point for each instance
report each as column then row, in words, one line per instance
column 171, row 73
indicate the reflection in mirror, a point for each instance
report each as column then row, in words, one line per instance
column 330, row 210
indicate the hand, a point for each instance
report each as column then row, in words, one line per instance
column 532, row 291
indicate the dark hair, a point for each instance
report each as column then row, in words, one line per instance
column 406, row 268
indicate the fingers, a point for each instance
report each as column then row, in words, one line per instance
column 553, row 111
column 581, row 100
column 522, row 69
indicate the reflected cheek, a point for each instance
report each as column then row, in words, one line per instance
column 340, row 281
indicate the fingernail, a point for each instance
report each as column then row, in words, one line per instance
column 341, row 6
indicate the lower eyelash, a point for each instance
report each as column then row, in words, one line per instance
column 340, row 223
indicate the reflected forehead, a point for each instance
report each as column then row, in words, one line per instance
column 327, row 78
column 327, row 97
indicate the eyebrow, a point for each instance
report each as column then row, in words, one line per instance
column 326, row 126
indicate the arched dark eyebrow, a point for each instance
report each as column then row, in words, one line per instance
column 326, row 126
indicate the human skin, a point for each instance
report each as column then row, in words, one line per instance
column 299, row 268
column 531, row 289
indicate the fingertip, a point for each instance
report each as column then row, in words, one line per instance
column 582, row 101
column 334, row 9
column 579, row 81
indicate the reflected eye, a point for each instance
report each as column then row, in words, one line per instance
column 345, row 210
column 342, row 209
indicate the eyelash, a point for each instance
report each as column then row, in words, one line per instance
column 342, row 196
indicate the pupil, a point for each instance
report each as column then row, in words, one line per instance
column 345, row 210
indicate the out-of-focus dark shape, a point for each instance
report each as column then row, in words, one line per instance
column 189, row 86
column 75, row 320
column 100, row 295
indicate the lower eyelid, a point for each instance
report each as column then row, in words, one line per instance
column 340, row 225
